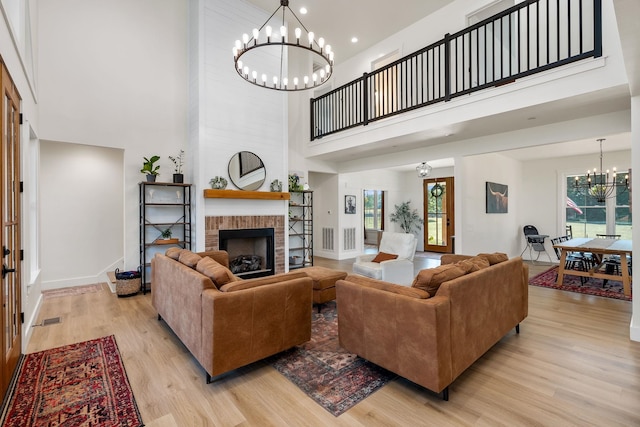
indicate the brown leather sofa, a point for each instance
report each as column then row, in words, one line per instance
column 431, row 336
column 231, row 324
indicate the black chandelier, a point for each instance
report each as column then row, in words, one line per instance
column 598, row 185
column 269, row 68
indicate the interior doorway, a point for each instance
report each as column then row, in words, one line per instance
column 10, row 323
column 439, row 214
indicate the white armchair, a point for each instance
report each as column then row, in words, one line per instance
column 399, row 270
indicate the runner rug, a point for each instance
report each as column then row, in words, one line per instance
column 81, row 384
column 593, row 286
column 334, row 378
column 73, row 290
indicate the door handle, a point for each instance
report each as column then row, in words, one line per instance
column 6, row 270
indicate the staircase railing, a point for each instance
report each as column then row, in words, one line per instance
column 528, row 38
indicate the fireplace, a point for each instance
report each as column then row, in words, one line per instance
column 251, row 251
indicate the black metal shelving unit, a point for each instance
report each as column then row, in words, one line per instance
column 163, row 205
column 300, row 229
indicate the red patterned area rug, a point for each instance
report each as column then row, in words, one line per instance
column 593, row 286
column 81, row 384
column 335, row 379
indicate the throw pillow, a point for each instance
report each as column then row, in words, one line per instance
column 473, row 264
column 174, row 253
column 218, row 273
column 430, row 279
column 495, row 258
column 189, row 259
column 383, row 256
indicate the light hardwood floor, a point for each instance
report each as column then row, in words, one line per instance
column 571, row 364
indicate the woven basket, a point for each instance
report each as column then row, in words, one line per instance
column 127, row 283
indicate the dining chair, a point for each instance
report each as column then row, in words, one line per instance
column 573, row 260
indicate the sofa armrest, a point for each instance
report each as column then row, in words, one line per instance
column 242, row 327
column 365, row 258
column 261, row 281
column 404, row 334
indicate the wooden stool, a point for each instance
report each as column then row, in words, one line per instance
column 324, row 283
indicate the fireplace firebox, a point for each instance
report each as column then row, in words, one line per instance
column 251, row 251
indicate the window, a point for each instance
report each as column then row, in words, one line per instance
column 587, row 217
column 374, row 209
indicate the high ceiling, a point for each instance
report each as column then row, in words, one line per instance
column 369, row 20
column 374, row 20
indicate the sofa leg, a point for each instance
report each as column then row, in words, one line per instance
column 518, row 328
column 445, row 394
column 159, row 317
column 209, row 378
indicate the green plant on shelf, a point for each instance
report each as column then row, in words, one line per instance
column 166, row 234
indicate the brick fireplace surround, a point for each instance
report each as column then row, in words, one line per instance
column 215, row 223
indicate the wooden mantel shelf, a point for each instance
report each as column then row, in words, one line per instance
column 241, row 194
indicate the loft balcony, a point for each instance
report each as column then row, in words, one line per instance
column 529, row 38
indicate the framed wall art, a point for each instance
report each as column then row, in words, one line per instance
column 497, row 197
column 350, row 204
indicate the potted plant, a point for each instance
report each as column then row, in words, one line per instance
column 165, row 238
column 150, row 169
column 178, row 177
column 408, row 219
column 218, row 183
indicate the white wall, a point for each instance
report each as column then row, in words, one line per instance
column 113, row 73
column 82, row 198
column 227, row 114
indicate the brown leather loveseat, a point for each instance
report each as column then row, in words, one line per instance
column 226, row 322
column 431, row 332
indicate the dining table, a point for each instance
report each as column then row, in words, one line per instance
column 601, row 249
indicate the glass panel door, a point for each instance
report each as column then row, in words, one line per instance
column 438, row 208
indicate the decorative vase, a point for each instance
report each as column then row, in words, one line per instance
column 276, row 186
column 178, row 178
column 151, row 178
column 218, row 183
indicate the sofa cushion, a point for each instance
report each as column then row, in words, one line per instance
column 388, row 287
column 218, row 273
column 383, row 256
column 430, row 279
column 174, row 253
column 495, row 257
column 189, row 259
column 473, row 264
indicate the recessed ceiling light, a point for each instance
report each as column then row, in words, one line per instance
column 303, row 10
column 354, row 40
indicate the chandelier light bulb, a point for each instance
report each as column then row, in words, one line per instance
column 268, row 32
column 235, row 51
column 322, row 73
column 327, row 48
column 306, row 80
column 315, row 78
column 240, row 65
column 285, row 81
column 246, row 70
column 245, row 39
column 295, row 82
column 275, row 80
column 238, row 45
column 264, row 78
column 321, row 43
column 256, row 35
column 311, row 36
column 254, row 74
column 298, row 34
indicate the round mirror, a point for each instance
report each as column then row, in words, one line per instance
column 247, row 171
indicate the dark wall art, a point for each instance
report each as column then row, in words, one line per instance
column 497, row 198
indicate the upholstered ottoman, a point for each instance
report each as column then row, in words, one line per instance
column 324, row 283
